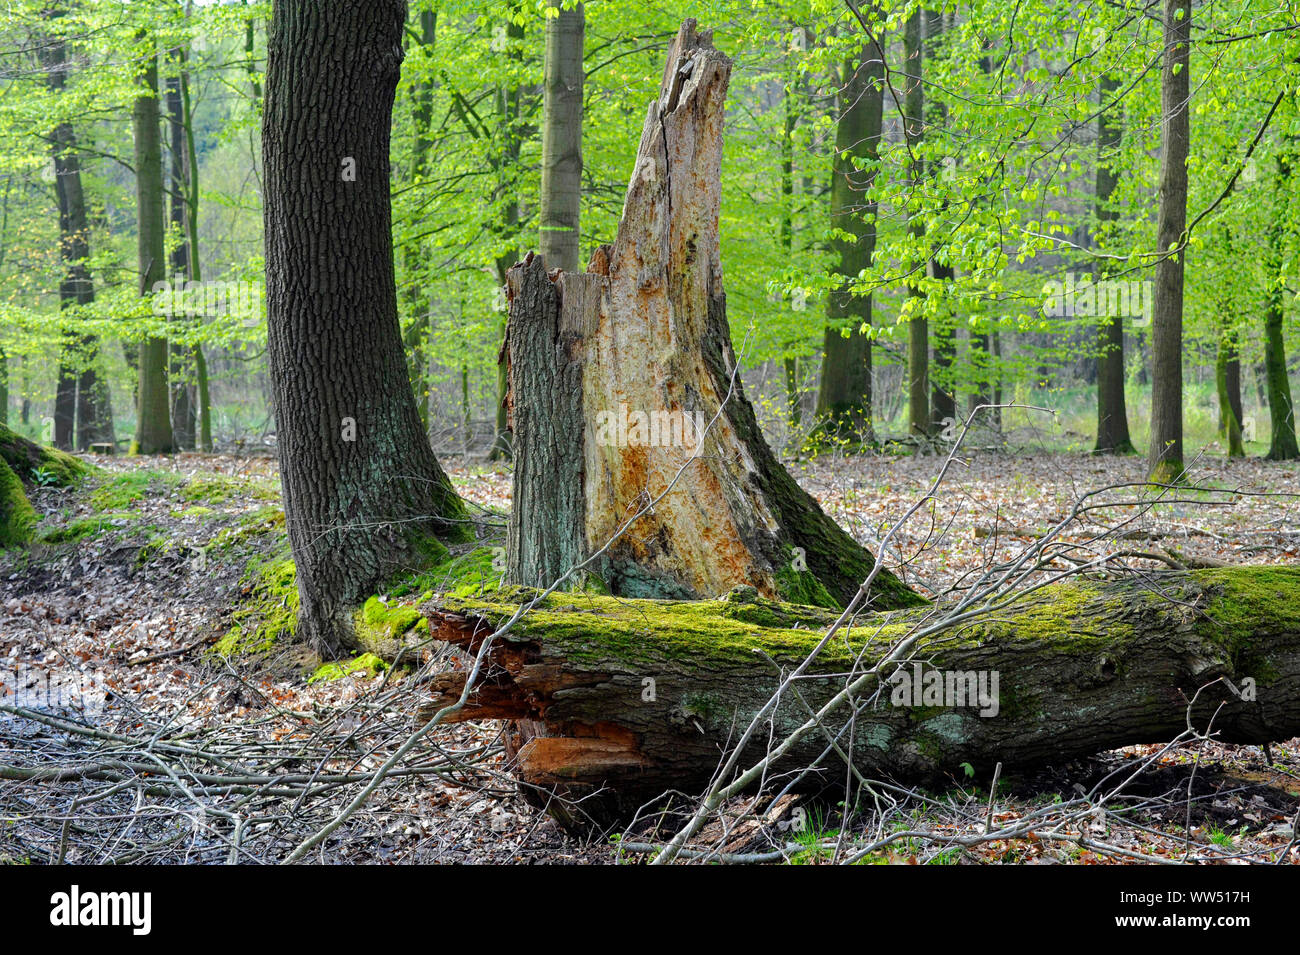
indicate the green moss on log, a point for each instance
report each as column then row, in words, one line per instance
column 17, row 516
column 27, row 457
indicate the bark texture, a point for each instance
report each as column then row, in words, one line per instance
column 623, row 385
column 364, row 495
column 1165, row 456
column 636, row 698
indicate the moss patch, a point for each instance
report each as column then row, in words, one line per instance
column 85, row 527
column 383, row 629
column 267, row 614
column 17, row 516
column 366, row 663
column 27, row 457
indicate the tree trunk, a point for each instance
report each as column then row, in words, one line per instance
column 153, row 433
column 1227, row 380
column 1165, row 456
column 943, row 334
column 364, row 496
column 419, row 307
column 507, row 198
column 1112, row 411
column 83, row 411
column 195, row 265
column 844, row 397
column 1277, row 383
column 918, row 326
column 184, row 412
column 637, row 698
column 623, row 376
column 562, row 138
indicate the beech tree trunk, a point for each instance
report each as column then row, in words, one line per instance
column 918, row 326
column 1112, row 411
column 153, row 433
column 617, row 702
column 83, row 411
column 1277, row 382
column 626, row 406
column 562, row 138
column 844, row 396
column 184, row 408
column 943, row 334
column 364, row 495
column 1165, row 456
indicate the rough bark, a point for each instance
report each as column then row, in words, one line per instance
column 1165, row 456
column 1112, row 411
column 623, row 376
column 562, row 138
column 153, row 405
column 637, row 698
column 364, row 495
column 844, row 395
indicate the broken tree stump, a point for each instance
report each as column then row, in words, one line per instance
column 630, row 422
column 616, row 702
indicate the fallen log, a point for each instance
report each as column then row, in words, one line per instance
column 615, row 702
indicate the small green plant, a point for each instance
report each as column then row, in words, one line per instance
column 44, row 477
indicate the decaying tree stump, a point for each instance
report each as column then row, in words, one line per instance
column 618, row 701
column 623, row 386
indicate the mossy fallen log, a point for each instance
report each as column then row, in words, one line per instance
column 17, row 516
column 629, row 699
column 27, row 458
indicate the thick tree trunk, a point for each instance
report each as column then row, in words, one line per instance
column 562, row 138
column 1165, row 456
column 644, row 697
column 364, row 495
column 629, row 419
column 1112, row 411
column 844, row 396
column 153, row 433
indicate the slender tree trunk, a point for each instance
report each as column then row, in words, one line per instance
column 918, row 326
column 943, row 333
column 1277, row 383
column 184, row 417
column 418, row 304
column 83, row 411
column 1227, row 380
column 153, row 428
column 1112, row 411
column 1165, row 456
column 562, row 138
column 844, row 397
column 195, row 266
column 509, row 102
column 364, row 496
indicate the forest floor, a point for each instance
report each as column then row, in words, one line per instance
column 155, row 747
